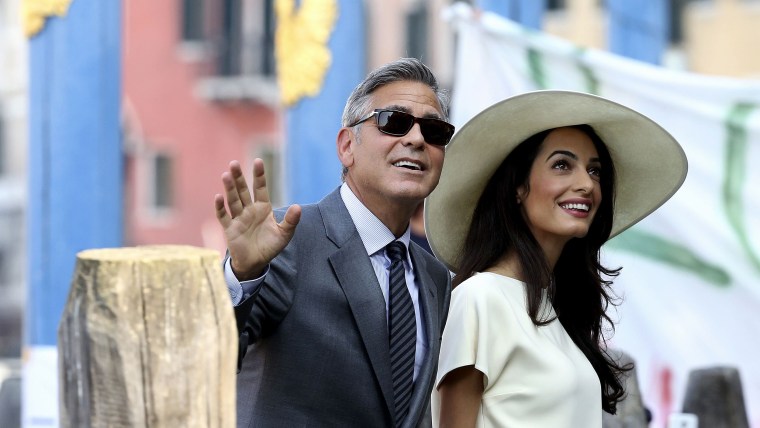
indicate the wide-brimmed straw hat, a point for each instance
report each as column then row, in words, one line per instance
column 649, row 163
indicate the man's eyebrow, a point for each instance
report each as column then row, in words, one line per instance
column 398, row 108
column 408, row 110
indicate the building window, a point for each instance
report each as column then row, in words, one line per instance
column 677, row 8
column 246, row 38
column 192, row 20
column 273, row 172
column 162, row 186
column 555, row 4
column 417, row 32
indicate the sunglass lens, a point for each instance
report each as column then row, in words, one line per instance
column 436, row 132
column 394, row 122
column 398, row 123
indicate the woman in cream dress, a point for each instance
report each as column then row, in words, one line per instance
column 530, row 190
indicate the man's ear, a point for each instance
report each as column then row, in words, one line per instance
column 345, row 144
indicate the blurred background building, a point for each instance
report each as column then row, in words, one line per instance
column 713, row 37
column 199, row 91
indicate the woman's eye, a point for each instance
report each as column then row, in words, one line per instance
column 560, row 164
column 595, row 171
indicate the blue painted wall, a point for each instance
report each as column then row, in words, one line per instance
column 639, row 29
column 311, row 159
column 75, row 157
column 526, row 12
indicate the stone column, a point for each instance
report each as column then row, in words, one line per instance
column 148, row 339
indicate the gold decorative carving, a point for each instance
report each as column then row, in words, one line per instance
column 35, row 12
column 301, row 50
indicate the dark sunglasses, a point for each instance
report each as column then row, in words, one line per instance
column 398, row 123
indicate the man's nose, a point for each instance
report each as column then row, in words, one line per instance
column 414, row 137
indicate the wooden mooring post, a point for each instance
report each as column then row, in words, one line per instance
column 148, row 339
column 715, row 395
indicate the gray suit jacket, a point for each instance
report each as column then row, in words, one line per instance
column 314, row 338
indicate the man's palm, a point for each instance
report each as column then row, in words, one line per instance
column 253, row 235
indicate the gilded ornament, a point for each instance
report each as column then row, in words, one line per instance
column 35, row 12
column 301, row 50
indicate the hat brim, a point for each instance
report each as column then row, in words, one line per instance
column 649, row 163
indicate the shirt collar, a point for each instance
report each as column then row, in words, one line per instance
column 373, row 233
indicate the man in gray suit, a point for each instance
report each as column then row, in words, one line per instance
column 335, row 329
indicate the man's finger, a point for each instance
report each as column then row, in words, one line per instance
column 231, row 193
column 291, row 219
column 221, row 212
column 240, row 184
column 260, row 192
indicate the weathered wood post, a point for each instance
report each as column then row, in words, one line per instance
column 148, row 339
column 715, row 395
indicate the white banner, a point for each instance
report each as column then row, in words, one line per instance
column 691, row 271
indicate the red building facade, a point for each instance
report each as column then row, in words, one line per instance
column 199, row 91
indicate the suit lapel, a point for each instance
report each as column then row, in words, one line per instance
column 365, row 298
column 359, row 283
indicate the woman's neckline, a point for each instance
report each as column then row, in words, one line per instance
column 501, row 275
column 505, row 271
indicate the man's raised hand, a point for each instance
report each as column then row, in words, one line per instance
column 253, row 235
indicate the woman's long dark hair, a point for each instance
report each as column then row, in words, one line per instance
column 580, row 295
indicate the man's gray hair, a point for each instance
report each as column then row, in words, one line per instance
column 403, row 69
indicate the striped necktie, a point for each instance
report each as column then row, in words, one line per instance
column 402, row 329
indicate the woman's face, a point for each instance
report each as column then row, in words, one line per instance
column 564, row 191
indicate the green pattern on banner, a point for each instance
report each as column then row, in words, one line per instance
column 592, row 82
column 736, row 151
column 662, row 250
column 537, row 73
